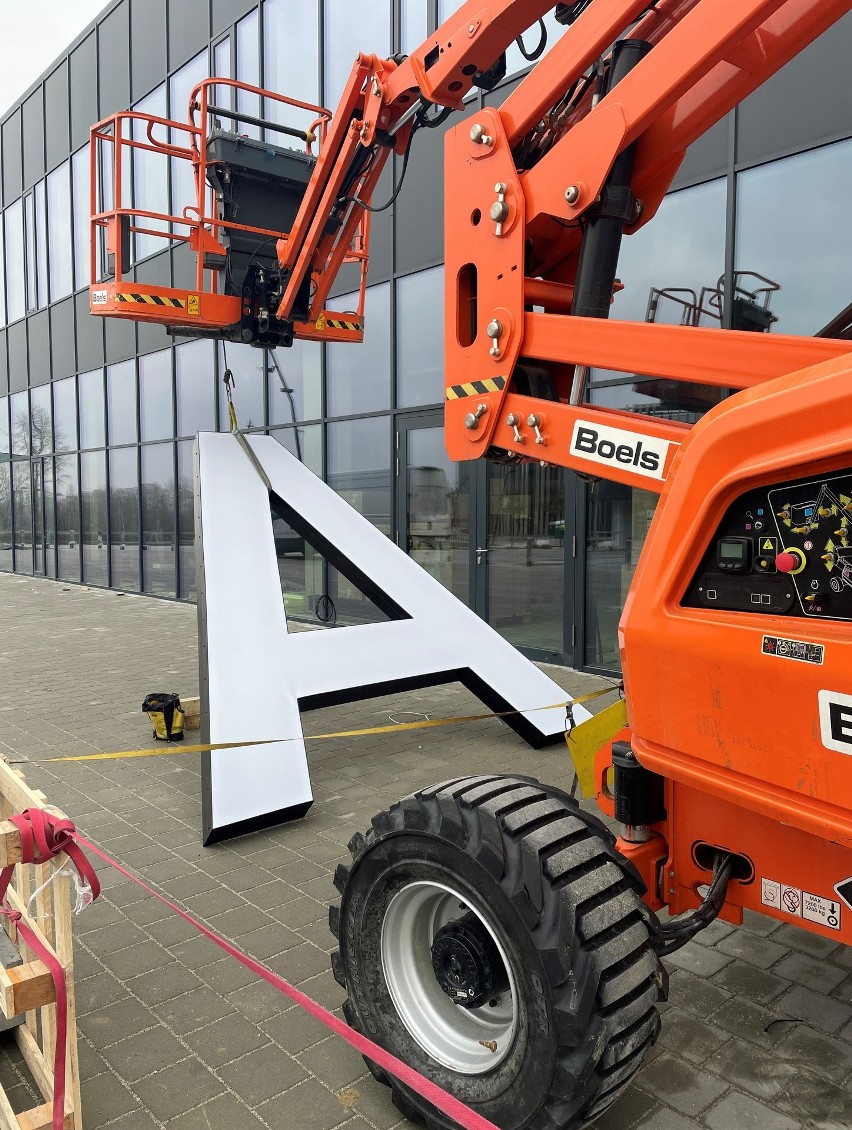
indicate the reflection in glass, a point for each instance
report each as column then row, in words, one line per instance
column 158, row 519
column 20, row 420
column 121, row 400
column 437, row 513
column 194, row 376
column 666, row 399
column 44, row 529
column 808, row 258
column 5, row 446
column 419, row 333
column 151, row 175
column 40, row 268
column 358, row 376
column 617, row 524
column 30, row 252
column 414, row 15
column 300, row 566
column 59, row 231
column 65, row 414
column 67, row 517
column 295, row 383
column 290, row 61
column 359, row 470
column 91, row 394
column 93, row 511
column 81, row 184
column 22, row 512
column 181, row 85
column 5, row 515
column 348, row 27
column 247, row 365
column 124, row 518
column 155, row 395
column 41, row 432
column 526, row 553
column 16, row 295
column 248, row 70
column 186, row 519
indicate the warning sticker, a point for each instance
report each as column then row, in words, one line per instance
column 844, row 889
column 826, row 912
column 791, row 900
column 770, row 893
column 192, row 304
column 802, row 650
column 769, row 545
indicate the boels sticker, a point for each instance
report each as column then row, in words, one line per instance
column 613, row 447
column 835, row 720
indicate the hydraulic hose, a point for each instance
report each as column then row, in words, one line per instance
column 679, row 931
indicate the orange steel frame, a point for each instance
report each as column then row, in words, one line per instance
column 744, row 769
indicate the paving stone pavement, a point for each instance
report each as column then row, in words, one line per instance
column 173, row 1033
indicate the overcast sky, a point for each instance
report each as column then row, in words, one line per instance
column 32, row 34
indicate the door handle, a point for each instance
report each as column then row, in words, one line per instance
column 479, row 553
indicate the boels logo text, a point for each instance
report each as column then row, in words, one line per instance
column 835, row 720
column 599, row 443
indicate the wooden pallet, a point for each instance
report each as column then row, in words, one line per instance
column 28, row 989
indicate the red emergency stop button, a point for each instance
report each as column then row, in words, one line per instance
column 790, row 561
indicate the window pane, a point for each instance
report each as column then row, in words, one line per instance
column 5, row 516
column 248, row 70
column 247, row 365
column 295, row 383
column 60, row 234
column 158, row 519
column 81, row 183
column 350, row 28
column 16, row 296
column 437, row 510
column 359, row 375
column 91, row 392
column 359, row 466
column 808, row 259
column 5, row 446
column 30, row 242
column 186, row 519
column 194, row 377
column 41, row 432
column 155, row 395
column 121, row 397
column 20, row 411
column 618, row 520
column 415, row 24
column 420, row 331
column 124, row 518
column 290, row 60
column 151, row 175
column 304, row 443
column 41, row 242
column 67, row 518
column 446, row 9
column 23, row 515
column 94, row 517
column 65, row 414
column 181, row 85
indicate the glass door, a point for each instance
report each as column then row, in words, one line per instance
column 524, row 556
column 44, row 527
column 435, row 504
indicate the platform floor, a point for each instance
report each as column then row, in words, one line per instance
column 173, row 1033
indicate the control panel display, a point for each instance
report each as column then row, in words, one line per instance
column 784, row 549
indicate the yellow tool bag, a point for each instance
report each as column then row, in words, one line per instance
column 166, row 715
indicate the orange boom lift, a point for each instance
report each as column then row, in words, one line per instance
column 492, row 933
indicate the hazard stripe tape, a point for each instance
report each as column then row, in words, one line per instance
column 174, row 750
column 150, row 299
column 476, row 388
column 336, row 324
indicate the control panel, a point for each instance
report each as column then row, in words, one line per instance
column 784, row 549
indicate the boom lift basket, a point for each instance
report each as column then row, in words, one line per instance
column 246, row 193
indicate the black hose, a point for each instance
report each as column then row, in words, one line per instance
column 679, row 931
column 531, row 56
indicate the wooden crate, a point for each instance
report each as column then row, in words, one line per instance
column 28, row 989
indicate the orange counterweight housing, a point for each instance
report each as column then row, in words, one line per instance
column 748, row 716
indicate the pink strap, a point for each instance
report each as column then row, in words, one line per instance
column 437, row 1096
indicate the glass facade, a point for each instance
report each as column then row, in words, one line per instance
column 97, row 420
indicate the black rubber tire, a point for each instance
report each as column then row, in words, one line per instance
column 568, row 909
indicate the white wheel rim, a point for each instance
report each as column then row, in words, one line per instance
column 472, row 1041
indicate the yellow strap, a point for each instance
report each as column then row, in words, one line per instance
column 585, row 740
column 174, row 750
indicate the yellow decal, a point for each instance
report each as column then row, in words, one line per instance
column 320, row 322
column 192, row 305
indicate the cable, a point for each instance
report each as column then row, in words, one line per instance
column 675, row 934
column 531, row 56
